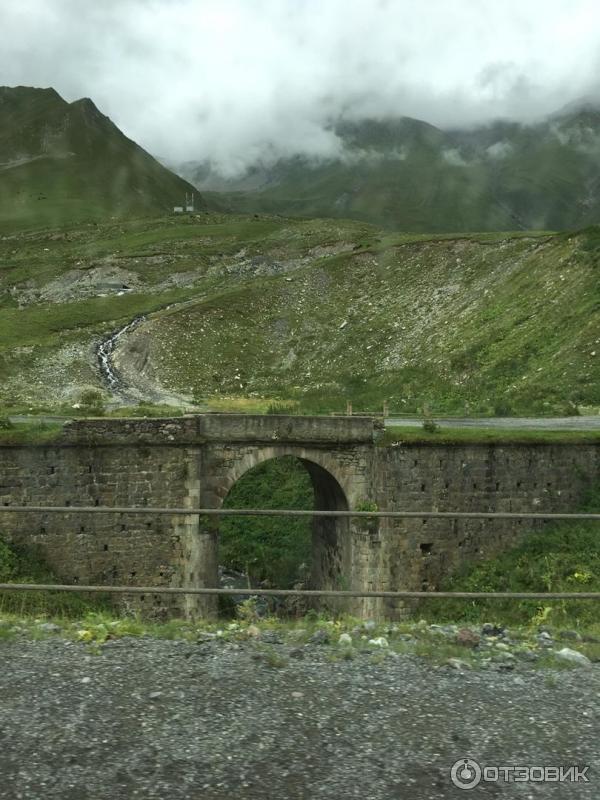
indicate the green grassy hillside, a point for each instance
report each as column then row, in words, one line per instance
column 499, row 324
column 63, row 290
column 241, row 312
column 407, row 175
column 63, row 162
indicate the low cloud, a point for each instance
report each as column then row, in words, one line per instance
column 237, row 82
column 499, row 150
column 453, row 157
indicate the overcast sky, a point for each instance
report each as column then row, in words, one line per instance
column 236, row 80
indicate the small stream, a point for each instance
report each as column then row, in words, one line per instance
column 111, row 378
column 105, row 351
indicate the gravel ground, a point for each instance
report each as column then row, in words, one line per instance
column 150, row 718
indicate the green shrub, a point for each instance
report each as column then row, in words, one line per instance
column 590, row 238
column 23, row 565
column 570, row 409
column 91, row 401
column 282, row 408
column 247, row 610
column 430, row 426
column 269, row 549
column 6, row 424
column 502, row 408
column 366, row 523
column 560, row 558
column 8, row 562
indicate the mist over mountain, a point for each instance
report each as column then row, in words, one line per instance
column 61, row 161
column 64, row 161
column 238, row 83
column 406, row 174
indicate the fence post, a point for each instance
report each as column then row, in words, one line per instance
column 348, row 408
column 386, row 410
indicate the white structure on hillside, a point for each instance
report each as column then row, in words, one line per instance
column 189, row 205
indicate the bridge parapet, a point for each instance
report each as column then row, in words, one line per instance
column 287, row 429
column 203, row 428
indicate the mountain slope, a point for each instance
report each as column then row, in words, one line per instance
column 236, row 312
column 495, row 325
column 64, row 161
column 407, row 175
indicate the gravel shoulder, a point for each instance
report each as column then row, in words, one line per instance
column 211, row 719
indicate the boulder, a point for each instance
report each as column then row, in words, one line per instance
column 574, row 656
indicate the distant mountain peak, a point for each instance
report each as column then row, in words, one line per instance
column 580, row 104
column 22, row 97
column 30, row 91
column 76, row 160
column 86, row 104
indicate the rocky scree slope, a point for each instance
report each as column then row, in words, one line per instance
column 64, row 291
column 504, row 324
column 311, row 312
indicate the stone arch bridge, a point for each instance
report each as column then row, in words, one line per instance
column 194, row 461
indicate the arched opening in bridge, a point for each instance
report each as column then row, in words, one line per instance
column 281, row 552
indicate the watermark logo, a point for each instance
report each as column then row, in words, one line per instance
column 466, row 773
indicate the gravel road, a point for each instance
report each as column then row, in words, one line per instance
column 589, row 423
column 159, row 719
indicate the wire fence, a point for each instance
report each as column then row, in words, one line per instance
column 257, row 512
column 296, row 512
column 194, row 590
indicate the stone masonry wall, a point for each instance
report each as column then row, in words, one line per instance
column 192, row 462
column 416, row 554
column 99, row 548
column 184, row 462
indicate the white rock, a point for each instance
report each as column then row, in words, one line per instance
column 49, row 627
column 456, row 663
column 380, row 641
column 574, row 657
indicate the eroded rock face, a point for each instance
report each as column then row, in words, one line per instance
column 77, row 284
